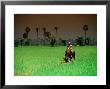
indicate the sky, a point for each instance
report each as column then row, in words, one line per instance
column 69, row 25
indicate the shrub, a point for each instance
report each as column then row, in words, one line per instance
column 80, row 41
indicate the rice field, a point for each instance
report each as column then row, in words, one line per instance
column 46, row 61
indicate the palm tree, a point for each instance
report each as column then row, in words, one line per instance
column 46, row 34
column 56, row 28
column 25, row 35
column 85, row 28
column 44, row 29
column 27, row 29
column 37, row 30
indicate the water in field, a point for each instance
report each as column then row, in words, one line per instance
column 46, row 61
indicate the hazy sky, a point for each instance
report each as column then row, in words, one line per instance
column 69, row 25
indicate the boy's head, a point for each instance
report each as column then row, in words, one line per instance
column 69, row 42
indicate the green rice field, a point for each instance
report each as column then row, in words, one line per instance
column 46, row 61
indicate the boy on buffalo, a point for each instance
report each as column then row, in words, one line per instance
column 69, row 53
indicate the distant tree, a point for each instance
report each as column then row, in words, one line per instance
column 27, row 30
column 53, row 41
column 85, row 28
column 44, row 30
column 56, row 28
column 37, row 30
column 88, row 40
column 16, row 43
column 21, row 41
column 80, row 41
column 25, row 35
column 64, row 42
column 46, row 34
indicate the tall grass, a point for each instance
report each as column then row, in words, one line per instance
column 46, row 61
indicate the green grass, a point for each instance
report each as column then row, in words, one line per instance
column 46, row 61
